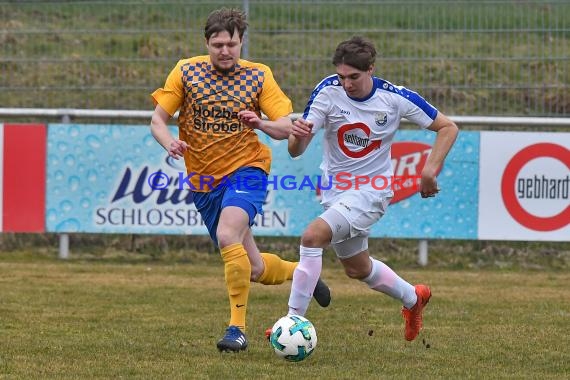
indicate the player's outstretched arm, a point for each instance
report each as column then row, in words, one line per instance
column 447, row 132
column 161, row 133
column 278, row 129
column 300, row 137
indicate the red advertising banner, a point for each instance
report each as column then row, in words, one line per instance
column 24, row 177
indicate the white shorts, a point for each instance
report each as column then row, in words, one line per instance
column 350, row 215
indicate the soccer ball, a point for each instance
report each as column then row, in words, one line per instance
column 293, row 338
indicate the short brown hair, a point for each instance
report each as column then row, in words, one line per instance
column 228, row 19
column 357, row 52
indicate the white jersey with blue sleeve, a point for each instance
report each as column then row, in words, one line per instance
column 358, row 133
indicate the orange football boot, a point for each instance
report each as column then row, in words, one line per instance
column 413, row 316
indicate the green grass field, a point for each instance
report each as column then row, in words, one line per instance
column 104, row 318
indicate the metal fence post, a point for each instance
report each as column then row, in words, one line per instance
column 423, row 252
column 63, row 246
column 64, row 238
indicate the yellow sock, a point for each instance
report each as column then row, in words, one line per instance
column 276, row 270
column 237, row 271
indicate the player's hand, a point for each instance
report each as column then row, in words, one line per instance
column 177, row 149
column 250, row 119
column 301, row 128
column 428, row 185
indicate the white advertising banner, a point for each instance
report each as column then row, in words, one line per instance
column 524, row 186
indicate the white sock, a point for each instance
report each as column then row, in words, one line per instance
column 385, row 280
column 305, row 279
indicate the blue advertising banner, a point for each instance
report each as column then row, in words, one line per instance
column 99, row 181
column 452, row 214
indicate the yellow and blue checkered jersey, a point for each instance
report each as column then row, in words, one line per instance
column 209, row 102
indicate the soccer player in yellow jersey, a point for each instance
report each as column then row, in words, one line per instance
column 220, row 98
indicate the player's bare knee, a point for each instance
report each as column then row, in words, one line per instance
column 256, row 272
column 355, row 268
column 226, row 237
column 355, row 273
column 313, row 239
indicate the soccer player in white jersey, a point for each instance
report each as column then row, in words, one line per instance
column 360, row 114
